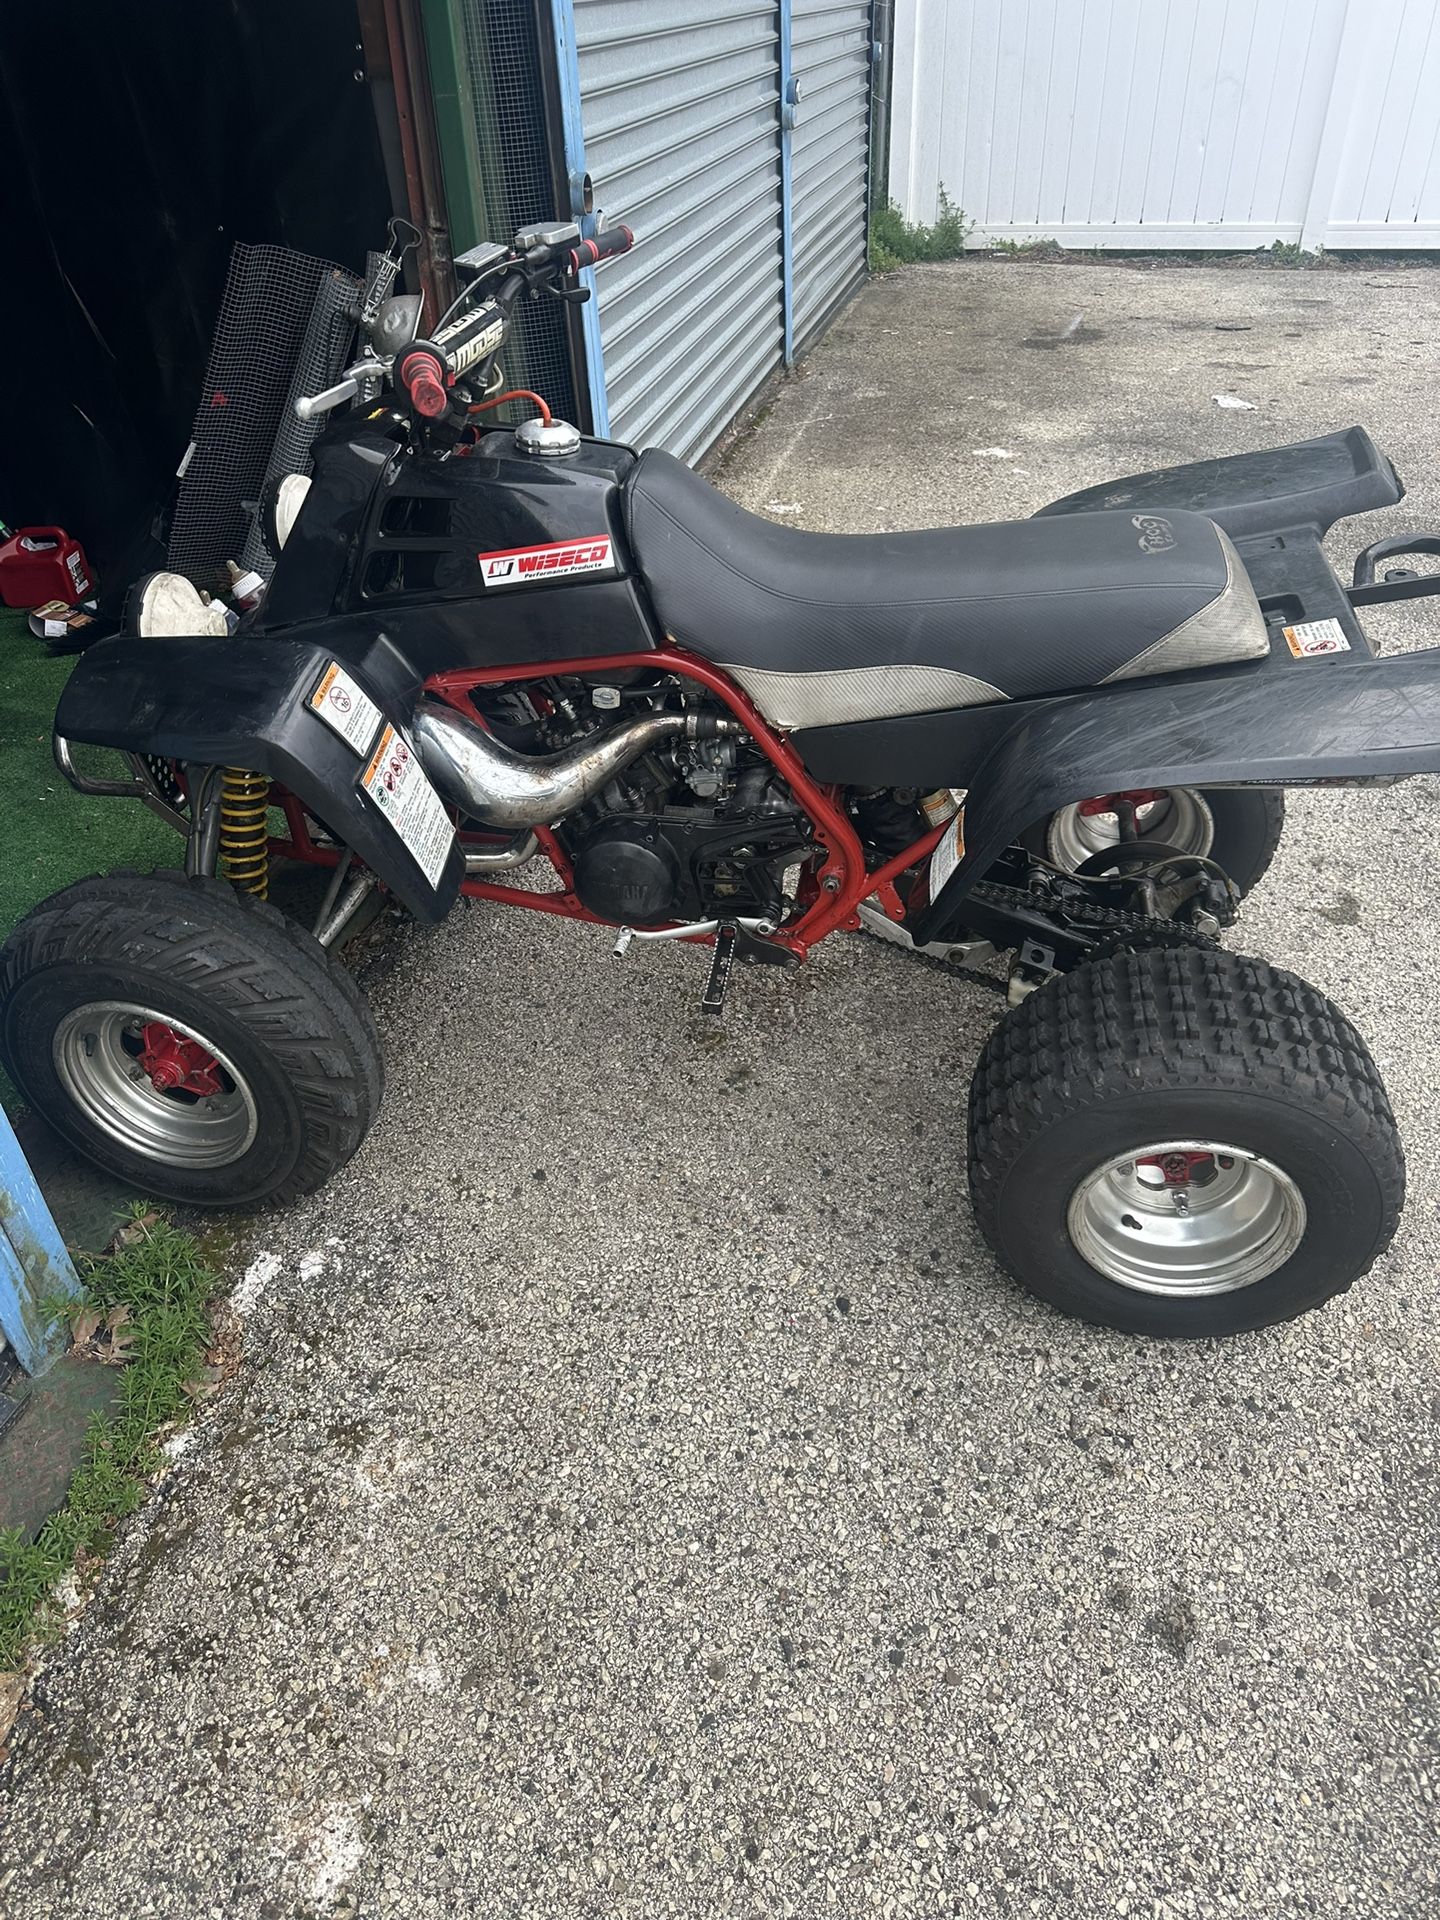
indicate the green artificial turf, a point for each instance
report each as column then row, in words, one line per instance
column 51, row 834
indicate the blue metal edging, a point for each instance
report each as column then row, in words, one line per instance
column 789, row 101
column 567, row 58
column 34, row 1265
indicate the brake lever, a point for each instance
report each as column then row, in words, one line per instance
column 311, row 405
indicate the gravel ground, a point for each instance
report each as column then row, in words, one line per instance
column 644, row 1496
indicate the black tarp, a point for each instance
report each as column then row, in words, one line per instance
column 139, row 141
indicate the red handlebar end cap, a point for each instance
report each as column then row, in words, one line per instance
column 423, row 378
column 429, row 398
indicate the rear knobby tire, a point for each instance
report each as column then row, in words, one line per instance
column 286, row 1021
column 1182, row 1047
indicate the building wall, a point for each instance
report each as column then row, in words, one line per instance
column 733, row 135
column 1171, row 123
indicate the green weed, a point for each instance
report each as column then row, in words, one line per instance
column 1290, row 253
column 152, row 1300
column 896, row 242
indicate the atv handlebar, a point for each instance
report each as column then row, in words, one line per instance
column 425, row 371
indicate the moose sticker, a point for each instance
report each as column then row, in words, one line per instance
column 559, row 560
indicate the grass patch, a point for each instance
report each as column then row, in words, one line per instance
column 898, row 242
column 147, row 1308
column 54, row 835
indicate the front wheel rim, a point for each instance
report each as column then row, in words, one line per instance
column 1179, row 818
column 97, row 1053
column 1187, row 1218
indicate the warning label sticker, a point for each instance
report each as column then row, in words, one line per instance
column 529, row 566
column 948, row 854
column 346, row 707
column 1316, row 636
column 400, row 787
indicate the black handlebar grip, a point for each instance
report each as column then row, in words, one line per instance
column 421, row 374
column 604, row 246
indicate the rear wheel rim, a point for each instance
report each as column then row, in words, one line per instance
column 1238, row 1219
column 1180, row 818
column 96, row 1053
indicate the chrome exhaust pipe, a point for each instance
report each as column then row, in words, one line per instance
column 502, row 788
column 522, row 848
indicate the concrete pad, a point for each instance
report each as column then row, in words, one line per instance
column 643, row 1495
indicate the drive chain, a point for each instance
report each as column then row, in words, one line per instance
column 1121, row 932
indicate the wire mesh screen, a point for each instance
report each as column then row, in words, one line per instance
column 502, row 54
column 323, row 352
column 283, row 328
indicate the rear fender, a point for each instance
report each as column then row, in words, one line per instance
column 1324, row 722
column 245, row 705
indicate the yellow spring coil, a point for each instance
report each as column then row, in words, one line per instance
column 244, row 830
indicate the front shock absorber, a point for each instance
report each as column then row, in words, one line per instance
column 245, row 830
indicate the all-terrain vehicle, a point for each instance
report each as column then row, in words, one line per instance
column 487, row 654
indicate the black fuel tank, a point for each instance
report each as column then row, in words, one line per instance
column 489, row 557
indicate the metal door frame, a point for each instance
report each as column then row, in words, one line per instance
column 876, row 76
column 577, row 181
column 788, row 107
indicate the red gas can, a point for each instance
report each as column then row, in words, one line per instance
column 43, row 563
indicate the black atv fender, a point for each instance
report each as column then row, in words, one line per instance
column 1320, row 722
column 245, row 704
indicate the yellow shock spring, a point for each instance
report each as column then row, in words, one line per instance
column 245, row 830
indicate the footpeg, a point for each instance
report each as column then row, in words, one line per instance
column 721, row 963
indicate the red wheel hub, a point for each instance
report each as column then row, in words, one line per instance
column 1179, row 1168
column 1114, row 802
column 176, row 1064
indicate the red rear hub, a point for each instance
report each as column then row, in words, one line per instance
column 176, row 1064
column 1116, row 802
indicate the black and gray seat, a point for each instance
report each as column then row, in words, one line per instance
column 821, row 628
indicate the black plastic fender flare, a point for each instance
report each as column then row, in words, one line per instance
column 244, row 703
column 1321, row 722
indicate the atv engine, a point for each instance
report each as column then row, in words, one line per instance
column 698, row 827
column 695, row 830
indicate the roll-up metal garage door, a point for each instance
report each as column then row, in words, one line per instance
column 829, row 157
column 679, row 110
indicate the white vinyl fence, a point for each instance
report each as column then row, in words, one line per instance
column 1171, row 123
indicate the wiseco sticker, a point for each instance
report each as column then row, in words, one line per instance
column 526, row 566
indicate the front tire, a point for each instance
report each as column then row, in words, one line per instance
column 188, row 1039
column 1193, row 1073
